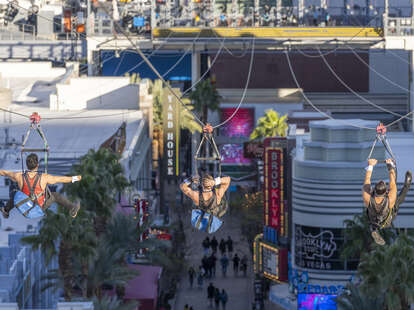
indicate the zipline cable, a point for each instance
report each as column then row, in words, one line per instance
column 150, row 64
column 345, row 42
column 378, row 73
column 322, row 112
column 354, row 92
column 245, row 88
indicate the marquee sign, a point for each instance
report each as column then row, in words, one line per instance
column 273, row 262
column 171, row 127
column 274, row 189
column 318, row 248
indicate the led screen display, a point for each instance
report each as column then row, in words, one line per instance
column 233, row 154
column 240, row 125
column 316, row 302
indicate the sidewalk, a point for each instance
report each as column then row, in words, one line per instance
column 239, row 289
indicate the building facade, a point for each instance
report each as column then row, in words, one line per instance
column 328, row 172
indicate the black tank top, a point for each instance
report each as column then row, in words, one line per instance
column 207, row 205
column 378, row 212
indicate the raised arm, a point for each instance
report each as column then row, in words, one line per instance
column 188, row 191
column 10, row 174
column 392, row 194
column 224, row 183
column 366, row 188
column 54, row 179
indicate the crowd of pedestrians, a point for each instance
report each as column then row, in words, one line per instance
column 207, row 269
column 213, row 293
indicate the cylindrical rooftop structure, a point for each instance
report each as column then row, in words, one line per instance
column 328, row 173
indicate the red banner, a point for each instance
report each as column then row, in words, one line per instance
column 273, row 189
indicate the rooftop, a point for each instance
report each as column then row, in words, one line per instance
column 401, row 143
column 70, row 135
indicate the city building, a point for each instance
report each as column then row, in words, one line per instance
column 328, row 173
column 71, row 132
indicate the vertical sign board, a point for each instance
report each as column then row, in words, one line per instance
column 171, row 135
column 286, row 145
column 274, row 189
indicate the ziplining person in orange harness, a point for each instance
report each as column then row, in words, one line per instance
column 34, row 186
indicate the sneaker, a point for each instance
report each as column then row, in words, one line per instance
column 4, row 212
column 408, row 177
column 74, row 211
column 377, row 237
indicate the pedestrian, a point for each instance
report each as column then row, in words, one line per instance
column 191, row 308
column 223, row 298
column 224, row 261
column 214, row 244
column 204, row 264
column 210, row 293
column 217, row 298
column 186, row 307
column 206, row 245
column 243, row 266
column 236, row 261
column 191, row 274
column 209, row 268
column 213, row 259
column 222, row 246
column 200, row 277
column 229, row 244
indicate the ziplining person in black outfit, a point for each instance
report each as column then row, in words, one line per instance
column 382, row 203
column 210, row 197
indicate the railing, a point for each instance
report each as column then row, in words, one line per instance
column 18, row 32
column 399, row 26
column 24, row 32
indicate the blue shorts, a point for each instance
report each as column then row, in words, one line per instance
column 215, row 223
column 24, row 208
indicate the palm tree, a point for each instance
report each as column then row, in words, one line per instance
column 354, row 299
column 270, row 125
column 106, row 267
column 62, row 236
column 358, row 236
column 102, row 180
column 205, row 97
column 249, row 209
column 112, row 303
column 387, row 271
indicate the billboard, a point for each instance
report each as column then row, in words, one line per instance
column 274, row 189
column 319, row 248
column 316, row 302
column 232, row 153
column 273, row 261
column 240, row 125
column 171, row 128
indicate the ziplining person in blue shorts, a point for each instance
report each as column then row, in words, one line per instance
column 209, row 199
column 34, row 197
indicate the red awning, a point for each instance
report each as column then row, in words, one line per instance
column 145, row 285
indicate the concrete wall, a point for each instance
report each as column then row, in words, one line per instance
column 96, row 93
column 5, row 97
column 30, row 69
column 391, row 64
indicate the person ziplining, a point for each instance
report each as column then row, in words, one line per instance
column 209, row 197
column 34, row 196
column 382, row 203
